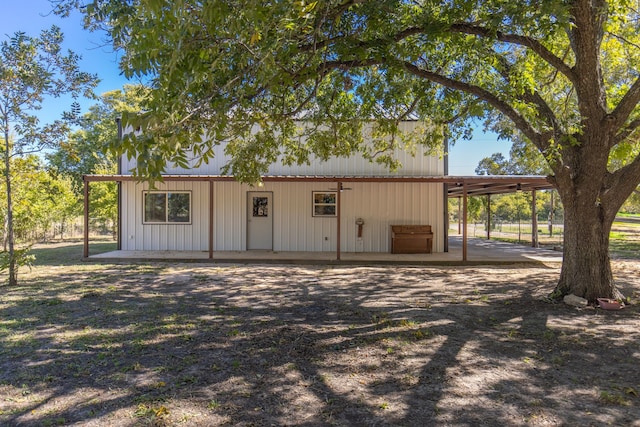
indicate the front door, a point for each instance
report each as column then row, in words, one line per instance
column 260, row 220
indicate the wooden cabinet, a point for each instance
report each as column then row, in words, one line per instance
column 411, row 239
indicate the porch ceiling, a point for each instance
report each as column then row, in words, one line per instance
column 493, row 184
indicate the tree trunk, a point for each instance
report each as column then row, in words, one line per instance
column 586, row 267
column 13, row 276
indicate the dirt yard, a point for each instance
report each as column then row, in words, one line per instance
column 208, row 345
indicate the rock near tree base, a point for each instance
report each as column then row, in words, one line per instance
column 575, row 301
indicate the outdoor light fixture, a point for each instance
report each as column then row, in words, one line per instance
column 518, row 187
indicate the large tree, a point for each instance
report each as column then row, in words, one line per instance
column 33, row 69
column 563, row 73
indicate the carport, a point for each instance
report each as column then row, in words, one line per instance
column 496, row 184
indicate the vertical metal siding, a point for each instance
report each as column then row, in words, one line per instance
column 381, row 205
column 417, row 165
column 228, row 217
column 186, row 237
column 294, row 227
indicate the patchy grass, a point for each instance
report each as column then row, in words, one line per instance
column 624, row 239
column 68, row 253
column 178, row 344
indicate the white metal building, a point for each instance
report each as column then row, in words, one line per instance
column 344, row 204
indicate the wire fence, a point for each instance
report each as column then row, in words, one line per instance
column 549, row 233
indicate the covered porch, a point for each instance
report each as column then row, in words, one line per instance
column 459, row 249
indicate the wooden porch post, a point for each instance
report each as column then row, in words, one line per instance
column 551, row 216
column 488, row 216
column 445, row 214
column 210, row 219
column 85, row 252
column 464, row 222
column 338, row 208
column 534, row 220
column 459, row 214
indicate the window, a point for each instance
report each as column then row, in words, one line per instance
column 260, row 207
column 165, row 207
column 325, row 203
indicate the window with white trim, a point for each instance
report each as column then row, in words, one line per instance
column 325, row 203
column 167, row 207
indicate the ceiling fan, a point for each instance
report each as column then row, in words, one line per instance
column 342, row 187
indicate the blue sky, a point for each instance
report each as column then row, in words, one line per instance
column 32, row 16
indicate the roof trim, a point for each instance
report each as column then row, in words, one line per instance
column 475, row 185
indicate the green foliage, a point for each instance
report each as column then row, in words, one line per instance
column 32, row 69
column 632, row 205
column 22, row 258
column 524, row 159
column 86, row 151
column 224, row 69
column 40, row 200
column 512, row 207
column 104, row 200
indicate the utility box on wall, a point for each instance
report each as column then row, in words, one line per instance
column 411, row 239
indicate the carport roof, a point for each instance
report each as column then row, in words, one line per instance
column 475, row 185
column 498, row 184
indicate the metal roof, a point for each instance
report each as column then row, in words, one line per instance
column 474, row 185
column 498, row 184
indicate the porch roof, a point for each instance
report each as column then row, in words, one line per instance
column 475, row 185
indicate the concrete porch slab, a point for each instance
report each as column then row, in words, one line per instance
column 479, row 251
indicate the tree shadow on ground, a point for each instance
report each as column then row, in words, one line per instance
column 274, row 345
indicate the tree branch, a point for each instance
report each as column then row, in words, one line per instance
column 533, row 97
column 464, row 28
column 483, row 95
column 623, row 39
column 621, row 183
column 626, row 132
column 528, row 42
column 625, row 107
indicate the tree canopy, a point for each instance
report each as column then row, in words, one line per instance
column 87, row 149
column 524, row 159
column 31, row 70
column 562, row 73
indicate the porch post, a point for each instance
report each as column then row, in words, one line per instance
column 445, row 213
column 551, row 215
column 488, row 216
column 459, row 214
column 85, row 251
column 119, row 227
column 210, row 219
column 534, row 220
column 464, row 222
column 119, row 184
column 338, row 208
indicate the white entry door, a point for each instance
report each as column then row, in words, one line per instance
column 260, row 220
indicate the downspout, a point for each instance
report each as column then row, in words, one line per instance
column 119, row 184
